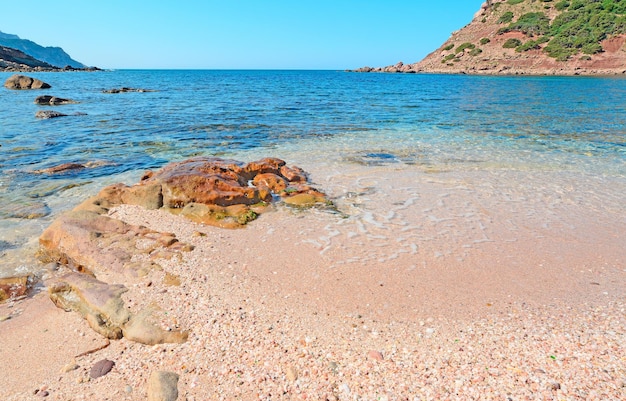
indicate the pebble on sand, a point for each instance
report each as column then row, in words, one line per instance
column 163, row 386
column 101, row 368
column 375, row 355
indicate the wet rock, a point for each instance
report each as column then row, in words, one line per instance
column 266, row 165
column 47, row 100
column 210, row 181
column 21, row 82
column 61, row 168
column 271, row 181
column 126, row 90
column 101, row 368
column 163, row 386
column 48, row 114
column 26, row 210
column 13, row 287
column 293, row 174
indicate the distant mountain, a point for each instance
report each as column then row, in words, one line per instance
column 539, row 37
column 51, row 55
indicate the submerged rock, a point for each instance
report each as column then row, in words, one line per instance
column 126, row 90
column 47, row 114
column 61, row 168
column 30, row 209
column 21, row 82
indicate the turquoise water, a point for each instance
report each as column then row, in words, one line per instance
column 330, row 119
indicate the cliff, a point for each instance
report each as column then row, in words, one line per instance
column 54, row 56
column 537, row 37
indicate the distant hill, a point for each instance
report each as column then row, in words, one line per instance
column 12, row 59
column 564, row 37
column 55, row 56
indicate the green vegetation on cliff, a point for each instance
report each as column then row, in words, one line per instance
column 579, row 27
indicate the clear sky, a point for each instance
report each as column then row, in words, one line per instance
column 239, row 34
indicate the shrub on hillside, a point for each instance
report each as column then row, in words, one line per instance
column 531, row 24
column 462, row 47
column 506, row 18
column 561, row 5
column 512, row 43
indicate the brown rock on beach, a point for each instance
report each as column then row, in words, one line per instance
column 13, row 287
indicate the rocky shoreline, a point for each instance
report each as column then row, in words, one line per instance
column 418, row 68
column 27, row 69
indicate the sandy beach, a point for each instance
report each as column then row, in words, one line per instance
column 320, row 305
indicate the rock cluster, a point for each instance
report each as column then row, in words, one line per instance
column 399, row 67
column 100, row 249
column 22, row 82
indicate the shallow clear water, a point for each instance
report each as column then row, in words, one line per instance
column 346, row 129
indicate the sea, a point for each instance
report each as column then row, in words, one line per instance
column 425, row 166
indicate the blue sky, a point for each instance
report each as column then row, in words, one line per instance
column 239, row 34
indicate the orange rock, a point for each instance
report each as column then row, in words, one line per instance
column 266, row 165
column 272, row 181
column 13, row 287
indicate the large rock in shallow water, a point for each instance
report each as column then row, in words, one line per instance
column 222, row 192
column 210, row 181
column 18, row 82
